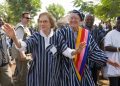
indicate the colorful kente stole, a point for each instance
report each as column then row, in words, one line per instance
column 80, row 59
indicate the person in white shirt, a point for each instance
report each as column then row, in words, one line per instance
column 112, row 50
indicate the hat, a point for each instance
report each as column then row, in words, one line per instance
column 80, row 14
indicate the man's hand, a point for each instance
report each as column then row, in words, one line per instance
column 115, row 64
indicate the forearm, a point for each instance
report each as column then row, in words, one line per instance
column 109, row 61
column 70, row 53
column 112, row 49
column 115, row 64
column 16, row 41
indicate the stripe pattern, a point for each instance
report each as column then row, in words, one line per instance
column 94, row 55
column 45, row 68
column 80, row 59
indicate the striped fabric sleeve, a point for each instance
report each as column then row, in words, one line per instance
column 96, row 54
column 32, row 42
column 61, row 42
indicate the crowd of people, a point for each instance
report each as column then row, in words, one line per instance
column 70, row 54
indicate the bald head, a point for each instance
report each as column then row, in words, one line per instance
column 89, row 20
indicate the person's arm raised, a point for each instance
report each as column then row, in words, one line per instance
column 9, row 30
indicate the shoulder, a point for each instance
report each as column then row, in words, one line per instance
column 111, row 33
column 19, row 26
column 36, row 34
column 65, row 28
column 84, row 29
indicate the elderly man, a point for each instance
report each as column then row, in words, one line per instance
column 112, row 50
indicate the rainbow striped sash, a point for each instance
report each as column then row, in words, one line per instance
column 80, row 59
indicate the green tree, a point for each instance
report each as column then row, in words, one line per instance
column 108, row 9
column 56, row 10
column 85, row 6
column 18, row 6
column 5, row 11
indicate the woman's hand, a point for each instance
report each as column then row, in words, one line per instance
column 9, row 30
column 80, row 48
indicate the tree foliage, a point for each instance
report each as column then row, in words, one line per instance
column 18, row 6
column 56, row 10
column 108, row 9
column 5, row 12
column 84, row 6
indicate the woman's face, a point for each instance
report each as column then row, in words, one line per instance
column 44, row 23
column 74, row 20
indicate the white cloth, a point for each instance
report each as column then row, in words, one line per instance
column 112, row 39
column 67, row 52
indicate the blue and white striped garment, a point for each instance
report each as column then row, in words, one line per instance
column 94, row 55
column 45, row 68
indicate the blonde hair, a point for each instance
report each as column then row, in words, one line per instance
column 50, row 17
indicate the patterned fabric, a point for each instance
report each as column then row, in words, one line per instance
column 80, row 59
column 4, row 58
column 98, row 35
column 94, row 55
column 45, row 68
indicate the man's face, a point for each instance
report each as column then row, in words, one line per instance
column 74, row 20
column 26, row 18
column 89, row 20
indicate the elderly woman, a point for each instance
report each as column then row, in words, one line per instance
column 74, row 34
column 45, row 46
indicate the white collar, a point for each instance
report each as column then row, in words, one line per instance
column 50, row 35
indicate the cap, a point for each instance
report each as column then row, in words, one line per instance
column 80, row 14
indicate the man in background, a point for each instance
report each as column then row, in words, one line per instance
column 5, row 70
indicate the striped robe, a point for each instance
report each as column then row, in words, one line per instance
column 45, row 68
column 94, row 55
